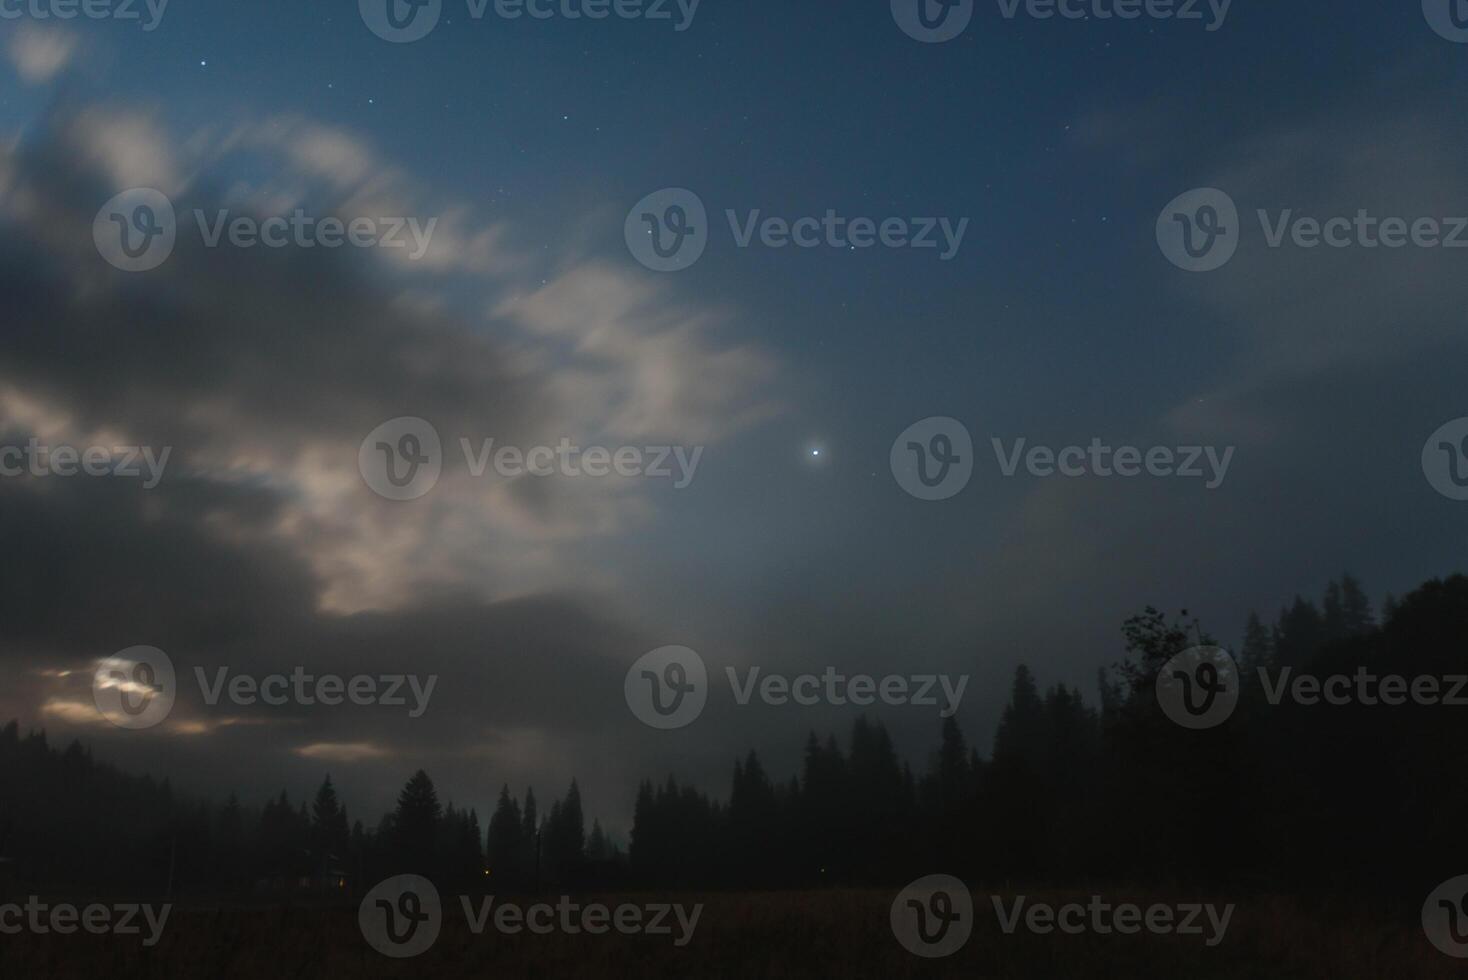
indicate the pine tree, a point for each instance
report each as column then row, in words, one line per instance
column 571, row 832
column 506, row 847
column 328, row 827
column 415, row 823
column 1257, row 649
column 1298, row 636
column 1332, row 614
column 597, row 848
column 1355, row 608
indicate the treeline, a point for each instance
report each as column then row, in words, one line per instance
column 67, row 821
column 1282, row 795
column 860, row 816
column 1360, row 797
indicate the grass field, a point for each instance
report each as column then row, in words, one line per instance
column 833, row 933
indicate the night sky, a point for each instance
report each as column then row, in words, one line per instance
column 1058, row 320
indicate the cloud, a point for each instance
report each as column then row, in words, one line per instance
column 262, row 548
column 1295, row 308
column 264, row 370
column 342, row 751
column 40, row 54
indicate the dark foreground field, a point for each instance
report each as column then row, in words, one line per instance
column 780, row 934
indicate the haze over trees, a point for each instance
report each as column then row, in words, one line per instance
column 1287, row 794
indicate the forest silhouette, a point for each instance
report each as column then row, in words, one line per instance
column 1359, row 798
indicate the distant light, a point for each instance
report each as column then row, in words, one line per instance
column 815, row 452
